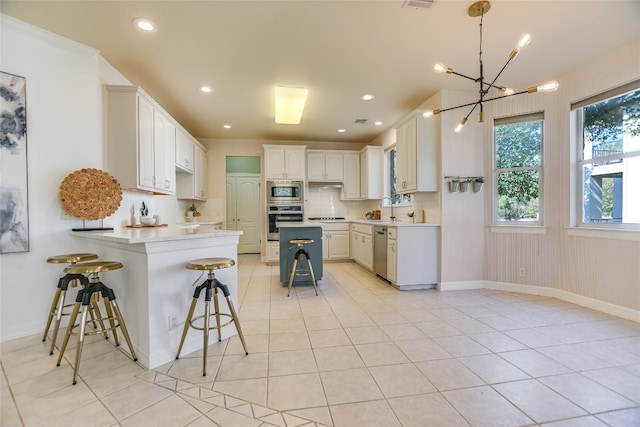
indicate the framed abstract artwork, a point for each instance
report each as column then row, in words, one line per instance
column 14, row 200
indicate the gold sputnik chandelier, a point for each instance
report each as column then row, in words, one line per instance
column 479, row 9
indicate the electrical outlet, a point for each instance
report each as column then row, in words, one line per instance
column 173, row 322
column 523, row 272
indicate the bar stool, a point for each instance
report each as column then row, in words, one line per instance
column 57, row 305
column 210, row 264
column 85, row 299
column 302, row 254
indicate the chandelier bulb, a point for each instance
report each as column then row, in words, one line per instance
column 460, row 125
column 441, row 68
column 509, row 91
column 430, row 113
column 545, row 87
column 525, row 39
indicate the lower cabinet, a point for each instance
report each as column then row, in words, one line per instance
column 273, row 252
column 413, row 256
column 362, row 245
column 335, row 241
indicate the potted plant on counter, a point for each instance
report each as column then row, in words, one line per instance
column 145, row 219
column 412, row 216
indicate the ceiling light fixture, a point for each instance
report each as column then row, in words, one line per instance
column 145, row 24
column 341, row 130
column 205, row 89
column 227, row 126
column 367, row 97
column 479, row 9
column 290, row 104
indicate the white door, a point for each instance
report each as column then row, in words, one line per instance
column 243, row 210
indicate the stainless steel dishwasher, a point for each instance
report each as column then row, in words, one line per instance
column 380, row 251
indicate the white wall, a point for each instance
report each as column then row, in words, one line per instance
column 600, row 266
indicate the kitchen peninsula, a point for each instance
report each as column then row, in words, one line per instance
column 154, row 289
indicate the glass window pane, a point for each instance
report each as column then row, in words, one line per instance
column 518, row 144
column 518, row 196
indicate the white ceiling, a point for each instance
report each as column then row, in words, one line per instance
column 339, row 50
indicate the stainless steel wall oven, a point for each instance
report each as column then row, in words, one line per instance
column 279, row 214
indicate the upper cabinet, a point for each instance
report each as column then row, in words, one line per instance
column 184, row 152
column 141, row 139
column 324, row 165
column 372, row 172
column 284, row 162
column 417, row 150
column 193, row 186
column 351, row 169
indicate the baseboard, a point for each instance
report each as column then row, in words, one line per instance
column 22, row 331
column 595, row 304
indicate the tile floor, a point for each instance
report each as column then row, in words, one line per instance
column 360, row 354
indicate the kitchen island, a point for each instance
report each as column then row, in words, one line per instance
column 154, row 289
column 287, row 251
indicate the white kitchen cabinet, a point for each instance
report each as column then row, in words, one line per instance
column 413, row 256
column 324, row 166
column 362, row 245
column 193, row 186
column 417, row 150
column 184, row 152
column 335, row 241
column 141, row 136
column 351, row 170
column 273, row 252
column 371, row 172
column 284, row 162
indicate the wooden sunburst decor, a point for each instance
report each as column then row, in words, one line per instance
column 90, row 194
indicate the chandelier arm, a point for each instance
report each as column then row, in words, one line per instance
column 475, row 103
column 496, row 77
column 462, row 75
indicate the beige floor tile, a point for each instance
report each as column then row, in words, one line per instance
column 203, row 421
column 295, row 392
column 190, row 369
column 532, row 338
column 291, row 362
column 351, row 385
column 426, row 410
column 437, row 328
column 241, row 367
column 226, row 417
column 587, row 393
column 535, row 363
column 36, row 387
column 588, row 421
column 318, row 323
column 461, row 346
column 319, row 415
column 449, row 374
column 483, row 406
column 497, row 342
column 172, row 411
column 537, row 401
column 120, row 378
column 337, row 358
column 328, row 338
column 278, row 326
column 624, row 417
column 289, row 341
column 134, row 398
column 252, row 390
column 95, row 411
column 469, row 326
column 370, row 414
column 618, row 380
column 493, row 369
column 55, row 404
column 376, row 354
column 366, row 335
column 402, row 332
column 422, row 349
column 401, row 380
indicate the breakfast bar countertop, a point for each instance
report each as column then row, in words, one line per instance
column 132, row 235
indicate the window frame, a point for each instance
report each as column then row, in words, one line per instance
column 577, row 121
column 405, row 199
column 519, row 118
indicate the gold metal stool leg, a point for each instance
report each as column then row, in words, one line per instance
column 123, row 327
column 53, row 313
column 207, row 313
column 216, row 307
column 293, row 274
column 187, row 325
column 313, row 276
column 67, row 334
column 237, row 323
column 81, row 334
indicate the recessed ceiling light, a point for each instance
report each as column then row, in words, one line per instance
column 145, row 24
column 227, row 126
column 205, row 89
column 378, row 123
column 367, row 97
column 342, row 130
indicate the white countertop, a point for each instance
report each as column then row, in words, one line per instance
column 377, row 222
column 156, row 234
column 300, row 224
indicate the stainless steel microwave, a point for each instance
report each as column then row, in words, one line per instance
column 289, row 192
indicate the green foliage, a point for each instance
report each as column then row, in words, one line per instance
column 603, row 120
column 144, row 211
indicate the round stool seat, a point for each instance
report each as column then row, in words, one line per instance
column 93, row 267
column 71, row 258
column 301, row 241
column 211, row 264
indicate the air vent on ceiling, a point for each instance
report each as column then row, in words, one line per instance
column 361, row 121
column 419, row 4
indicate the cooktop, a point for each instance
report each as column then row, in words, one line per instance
column 326, row 218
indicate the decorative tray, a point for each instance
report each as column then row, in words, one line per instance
column 147, row 226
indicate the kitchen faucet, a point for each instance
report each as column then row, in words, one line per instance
column 392, row 218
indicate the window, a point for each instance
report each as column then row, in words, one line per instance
column 391, row 161
column 518, row 169
column 609, row 157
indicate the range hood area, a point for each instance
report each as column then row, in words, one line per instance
column 327, row 184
